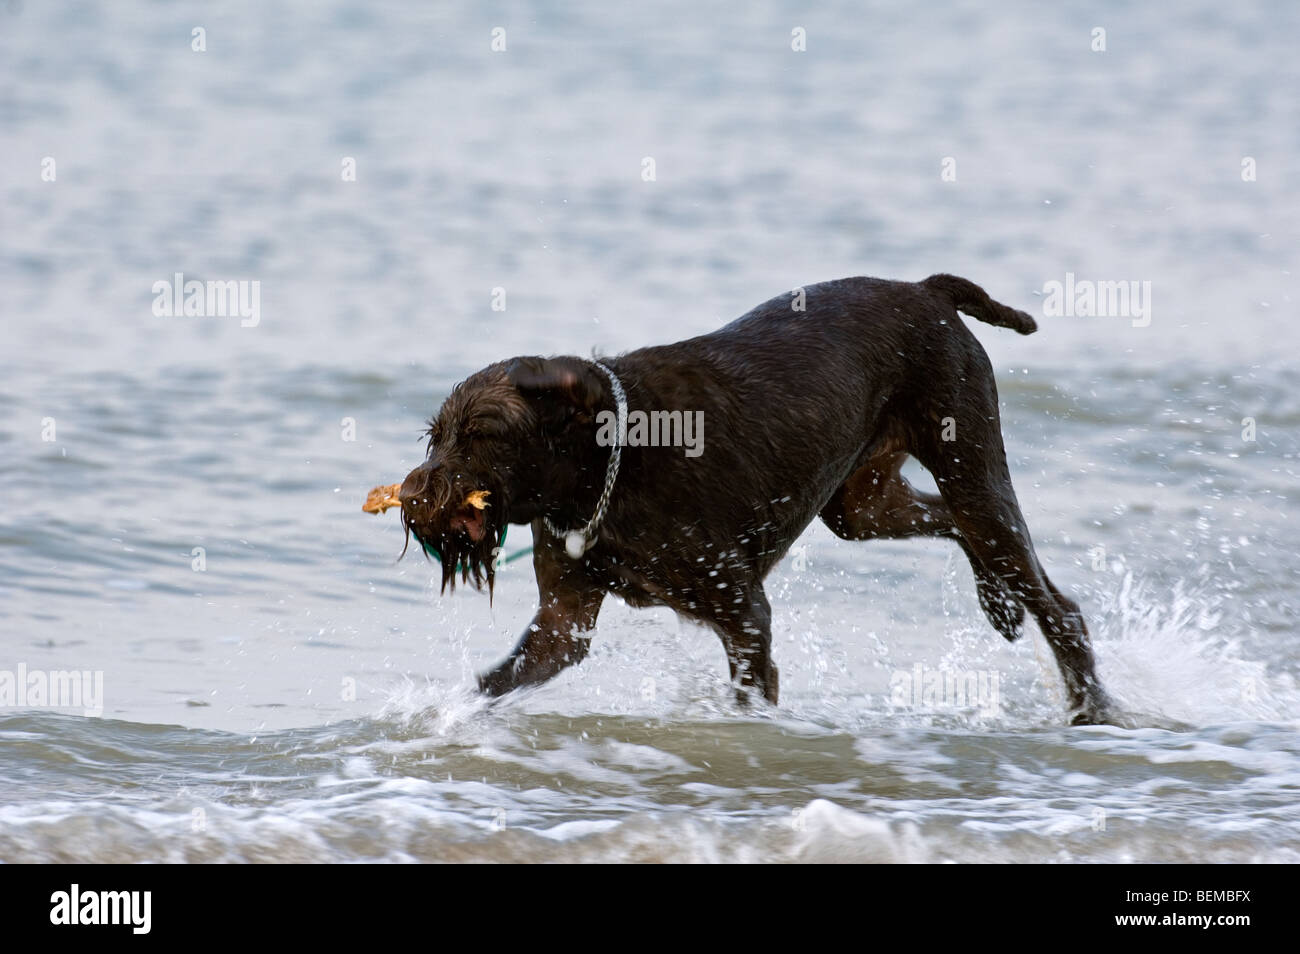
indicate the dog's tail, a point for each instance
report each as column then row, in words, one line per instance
column 970, row 298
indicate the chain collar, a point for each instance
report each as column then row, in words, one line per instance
column 577, row 542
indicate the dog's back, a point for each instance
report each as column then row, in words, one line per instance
column 797, row 391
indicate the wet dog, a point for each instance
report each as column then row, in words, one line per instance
column 806, row 406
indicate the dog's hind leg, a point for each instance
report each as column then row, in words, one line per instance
column 973, row 478
column 877, row 502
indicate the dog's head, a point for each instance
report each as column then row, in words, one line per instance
column 501, row 441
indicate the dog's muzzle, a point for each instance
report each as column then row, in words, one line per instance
column 424, row 493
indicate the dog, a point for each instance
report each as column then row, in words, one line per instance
column 813, row 401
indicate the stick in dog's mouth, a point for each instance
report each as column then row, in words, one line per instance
column 381, row 498
column 469, row 519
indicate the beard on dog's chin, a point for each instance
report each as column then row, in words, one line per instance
column 464, row 539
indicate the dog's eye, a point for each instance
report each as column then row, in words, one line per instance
column 477, row 432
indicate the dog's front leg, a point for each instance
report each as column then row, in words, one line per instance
column 747, row 637
column 554, row 640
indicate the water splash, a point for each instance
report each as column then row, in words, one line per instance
column 1171, row 657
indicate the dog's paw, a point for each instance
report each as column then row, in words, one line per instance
column 1102, row 712
column 1003, row 610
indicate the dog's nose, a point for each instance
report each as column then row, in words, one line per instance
column 414, row 494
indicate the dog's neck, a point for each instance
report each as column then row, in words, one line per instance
column 579, row 475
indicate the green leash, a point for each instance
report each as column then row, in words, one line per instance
column 501, row 541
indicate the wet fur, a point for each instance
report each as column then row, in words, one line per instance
column 808, row 413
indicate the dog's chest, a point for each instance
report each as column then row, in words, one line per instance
column 686, row 580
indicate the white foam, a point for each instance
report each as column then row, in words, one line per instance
column 1170, row 656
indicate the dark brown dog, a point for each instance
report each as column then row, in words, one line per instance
column 809, row 410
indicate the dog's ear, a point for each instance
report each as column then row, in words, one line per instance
column 571, row 381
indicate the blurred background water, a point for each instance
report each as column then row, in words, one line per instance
column 304, row 696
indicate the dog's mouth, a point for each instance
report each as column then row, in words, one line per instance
column 463, row 538
column 471, row 516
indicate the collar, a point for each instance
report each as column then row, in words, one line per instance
column 579, row 541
